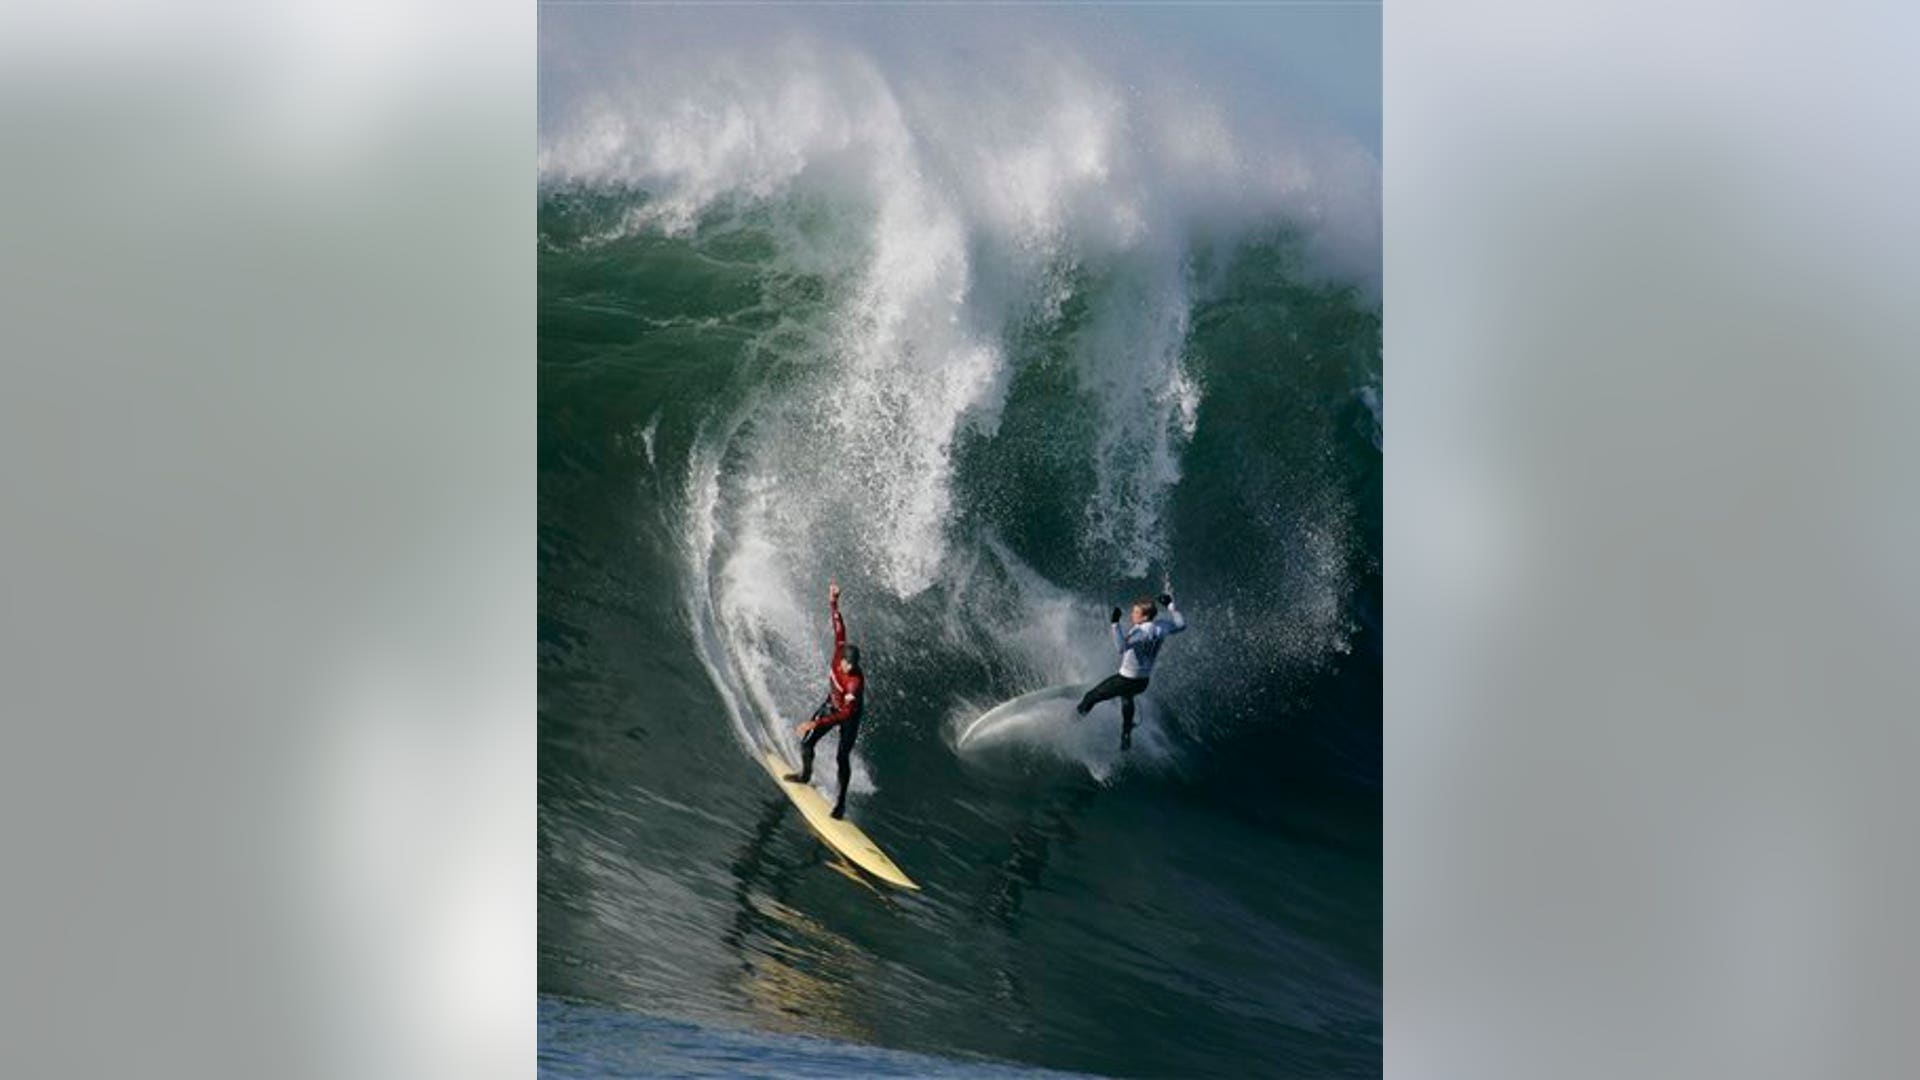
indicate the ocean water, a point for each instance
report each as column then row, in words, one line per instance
column 587, row 1041
column 999, row 346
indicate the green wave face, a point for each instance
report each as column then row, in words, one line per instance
column 996, row 369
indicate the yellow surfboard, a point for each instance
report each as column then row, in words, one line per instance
column 842, row 836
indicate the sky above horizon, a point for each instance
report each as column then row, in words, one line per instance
column 1320, row 57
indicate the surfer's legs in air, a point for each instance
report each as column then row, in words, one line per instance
column 1115, row 686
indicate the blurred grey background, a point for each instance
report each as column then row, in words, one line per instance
column 266, row 500
column 1650, row 350
column 267, row 483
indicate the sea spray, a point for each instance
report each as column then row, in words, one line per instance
column 937, row 216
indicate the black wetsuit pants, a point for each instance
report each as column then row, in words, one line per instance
column 849, row 730
column 1116, row 686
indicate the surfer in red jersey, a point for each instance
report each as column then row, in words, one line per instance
column 846, row 700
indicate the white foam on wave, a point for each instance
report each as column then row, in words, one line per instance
column 1042, row 156
column 646, row 438
column 973, row 193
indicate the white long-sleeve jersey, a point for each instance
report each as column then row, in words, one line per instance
column 1140, row 644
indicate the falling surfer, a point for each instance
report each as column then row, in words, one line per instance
column 846, row 700
column 1139, row 645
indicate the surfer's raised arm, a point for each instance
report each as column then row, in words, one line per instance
column 1172, row 620
column 839, row 624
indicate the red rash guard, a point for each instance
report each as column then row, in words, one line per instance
column 847, row 690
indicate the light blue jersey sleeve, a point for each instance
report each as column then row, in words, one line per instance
column 1173, row 622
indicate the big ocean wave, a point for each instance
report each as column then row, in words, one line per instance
column 997, row 330
column 978, row 316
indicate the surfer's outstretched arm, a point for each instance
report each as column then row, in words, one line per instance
column 839, row 624
column 1173, row 620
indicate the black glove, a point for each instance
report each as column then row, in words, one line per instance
column 1166, row 599
column 1113, row 616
